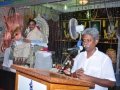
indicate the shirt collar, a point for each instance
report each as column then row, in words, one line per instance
column 93, row 53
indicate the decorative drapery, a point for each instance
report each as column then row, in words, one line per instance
column 12, row 21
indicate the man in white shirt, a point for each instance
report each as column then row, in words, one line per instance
column 93, row 65
column 32, row 32
column 36, row 38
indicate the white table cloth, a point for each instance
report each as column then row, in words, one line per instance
column 43, row 60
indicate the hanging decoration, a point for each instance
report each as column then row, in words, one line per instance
column 43, row 25
column 104, row 23
column 12, row 21
column 46, row 13
column 67, row 35
column 112, row 24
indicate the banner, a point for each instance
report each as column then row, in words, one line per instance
column 25, row 83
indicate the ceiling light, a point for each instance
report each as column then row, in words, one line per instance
column 65, row 7
column 83, row 2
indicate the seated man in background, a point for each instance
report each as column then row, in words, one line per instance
column 93, row 65
column 25, row 48
column 35, row 37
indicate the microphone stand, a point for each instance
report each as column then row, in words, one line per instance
column 67, row 64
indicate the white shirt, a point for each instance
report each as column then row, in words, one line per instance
column 98, row 65
column 7, row 62
column 43, row 60
column 35, row 35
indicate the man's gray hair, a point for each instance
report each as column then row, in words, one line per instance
column 91, row 31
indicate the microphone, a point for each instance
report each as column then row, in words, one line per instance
column 75, row 48
column 78, row 46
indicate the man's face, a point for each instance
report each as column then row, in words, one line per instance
column 32, row 25
column 88, row 42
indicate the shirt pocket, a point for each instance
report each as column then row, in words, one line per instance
column 93, row 71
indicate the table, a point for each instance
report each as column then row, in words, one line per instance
column 43, row 60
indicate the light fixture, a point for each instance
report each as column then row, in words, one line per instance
column 83, row 2
column 65, row 7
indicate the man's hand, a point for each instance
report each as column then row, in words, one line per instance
column 77, row 73
column 102, row 82
column 80, row 74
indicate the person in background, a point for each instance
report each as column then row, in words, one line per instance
column 35, row 37
column 33, row 33
column 93, row 65
column 113, row 56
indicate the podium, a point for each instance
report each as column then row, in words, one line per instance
column 36, row 79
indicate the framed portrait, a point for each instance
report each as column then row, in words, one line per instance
column 96, row 24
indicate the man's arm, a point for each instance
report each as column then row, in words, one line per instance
column 102, row 82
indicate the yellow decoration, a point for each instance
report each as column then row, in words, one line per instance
column 105, row 34
column 116, row 23
column 66, row 34
column 103, row 23
column 108, row 36
column 85, row 24
column 112, row 34
column 64, row 24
